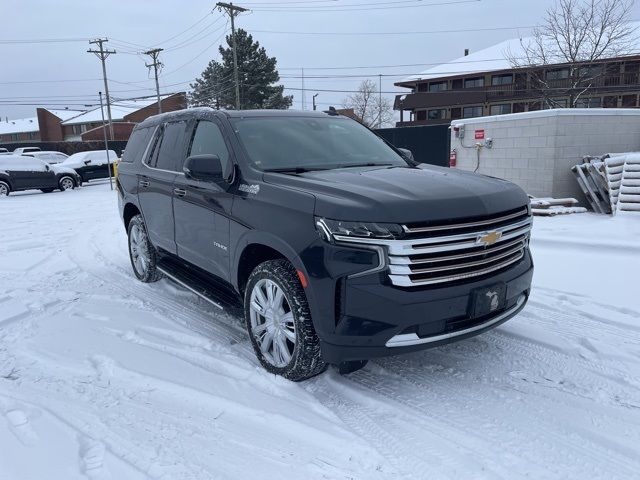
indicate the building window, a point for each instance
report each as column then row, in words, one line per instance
column 437, row 86
column 474, row 82
column 456, row 113
column 423, row 87
column 456, row 84
column 501, row 109
column 471, row 112
column 437, row 114
column 610, row 102
column 33, row 135
column 519, row 107
column 629, row 101
column 557, row 103
column 15, row 137
column 589, row 102
column 421, row 115
column 502, row 79
column 557, row 74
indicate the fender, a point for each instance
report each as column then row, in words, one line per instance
column 4, row 176
column 253, row 236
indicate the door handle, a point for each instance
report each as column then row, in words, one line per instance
column 180, row 192
column 143, row 183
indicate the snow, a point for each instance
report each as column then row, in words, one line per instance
column 104, row 377
column 493, row 58
column 119, row 110
column 95, row 157
column 21, row 125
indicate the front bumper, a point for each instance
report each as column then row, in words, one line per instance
column 374, row 318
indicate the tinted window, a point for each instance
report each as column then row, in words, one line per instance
column 208, row 139
column 171, row 147
column 312, row 142
column 137, row 143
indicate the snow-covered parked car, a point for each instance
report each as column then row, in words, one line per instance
column 51, row 157
column 22, row 150
column 4, row 151
column 92, row 164
column 28, row 173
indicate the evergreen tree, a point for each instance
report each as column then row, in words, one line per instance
column 256, row 72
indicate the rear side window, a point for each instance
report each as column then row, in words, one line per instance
column 171, row 147
column 137, row 144
column 208, row 139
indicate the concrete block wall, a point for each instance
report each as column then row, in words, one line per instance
column 536, row 150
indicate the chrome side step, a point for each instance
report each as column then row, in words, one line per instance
column 408, row 339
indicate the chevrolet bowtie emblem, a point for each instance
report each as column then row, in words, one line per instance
column 489, row 238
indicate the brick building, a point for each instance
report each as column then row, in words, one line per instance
column 76, row 125
column 484, row 83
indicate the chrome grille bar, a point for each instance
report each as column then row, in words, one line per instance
column 479, row 223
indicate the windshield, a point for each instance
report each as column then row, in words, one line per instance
column 310, row 143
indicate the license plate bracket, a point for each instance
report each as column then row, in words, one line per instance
column 487, row 300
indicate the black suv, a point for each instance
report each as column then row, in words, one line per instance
column 334, row 244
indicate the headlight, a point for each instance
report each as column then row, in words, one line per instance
column 327, row 229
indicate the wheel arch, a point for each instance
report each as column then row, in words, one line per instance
column 129, row 211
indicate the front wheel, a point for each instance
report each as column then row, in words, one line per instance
column 4, row 189
column 66, row 183
column 279, row 322
column 141, row 252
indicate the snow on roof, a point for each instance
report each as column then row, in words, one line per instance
column 119, row 110
column 489, row 59
column 66, row 114
column 21, row 125
column 492, row 58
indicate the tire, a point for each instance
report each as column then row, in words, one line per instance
column 5, row 189
column 283, row 319
column 143, row 256
column 46, row 190
column 66, row 183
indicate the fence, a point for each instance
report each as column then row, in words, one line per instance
column 428, row 143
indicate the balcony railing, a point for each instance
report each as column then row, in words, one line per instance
column 495, row 93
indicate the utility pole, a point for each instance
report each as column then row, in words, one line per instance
column 314, row 101
column 302, row 89
column 380, row 100
column 233, row 10
column 157, row 65
column 102, row 54
column 106, row 142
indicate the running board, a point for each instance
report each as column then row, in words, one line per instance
column 209, row 289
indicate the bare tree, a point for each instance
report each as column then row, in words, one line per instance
column 374, row 110
column 577, row 33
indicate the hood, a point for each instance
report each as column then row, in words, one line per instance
column 58, row 168
column 403, row 194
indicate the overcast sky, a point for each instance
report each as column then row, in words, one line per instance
column 63, row 74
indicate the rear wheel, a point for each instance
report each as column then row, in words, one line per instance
column 66, row 183
column 279, row 322
column 4, row 189
column 142, row 254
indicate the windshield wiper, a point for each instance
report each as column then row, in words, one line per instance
column 295, row 169
column 369, row 164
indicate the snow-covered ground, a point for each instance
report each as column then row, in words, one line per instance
column 103, row 377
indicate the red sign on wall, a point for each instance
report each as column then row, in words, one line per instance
column 479, row 134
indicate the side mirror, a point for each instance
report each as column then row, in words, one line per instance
column 203, row 167
column 87, row 162
column 406, row 153
column 47, row 167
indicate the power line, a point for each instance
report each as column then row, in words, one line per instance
column 427, row 32
column 361, row 6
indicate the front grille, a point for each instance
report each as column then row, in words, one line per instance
column 435, row 254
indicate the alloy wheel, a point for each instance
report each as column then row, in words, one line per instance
column 66, row 183
column 139, row 249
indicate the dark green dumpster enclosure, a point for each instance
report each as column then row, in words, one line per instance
column 429, row 143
